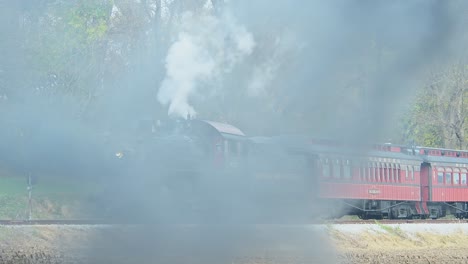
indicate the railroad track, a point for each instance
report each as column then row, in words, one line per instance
column 332, row 222
column 55, row 222
column 399, row 221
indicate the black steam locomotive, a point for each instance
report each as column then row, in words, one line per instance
column 207, row 169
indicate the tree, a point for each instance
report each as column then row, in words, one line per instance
column 438, row 118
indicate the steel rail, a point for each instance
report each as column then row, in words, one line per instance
column 399, row 221
column 55, row 222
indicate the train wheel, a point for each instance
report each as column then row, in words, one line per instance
column 364, row 216
column 391, row 215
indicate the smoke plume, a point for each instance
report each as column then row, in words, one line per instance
column 207, row 47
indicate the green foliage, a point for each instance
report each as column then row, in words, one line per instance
column 438, row 116
column 87, row 22
column 66, row 42
column 421, row 132
column 396, row 231
column 52, row 198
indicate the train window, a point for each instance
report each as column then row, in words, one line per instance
column 377, row 172
column 440, row 175
column 226, row 148
column 371, row 171
column 336, row 169
column 392, row 176
column 411, row 172
column 387, row 176
column 448, row 176
column 325, row 168
column 395, row 172
column 383, row 172
column 377, row 167
column 395, row 175
column 456, row 178
column 361, row 173
column 389, row 171
column 463, row 179
column 406, row 172
column 232, row 145
column 347, row 169
column 398, row 169
column 366, row 171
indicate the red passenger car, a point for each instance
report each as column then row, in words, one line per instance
column 380, row 181
column 390, row 181
column 446, row 174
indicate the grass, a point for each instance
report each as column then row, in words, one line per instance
column 395, row 239
column 391, row 230
column 12, row 186
column 46, row 186
column 52, row 198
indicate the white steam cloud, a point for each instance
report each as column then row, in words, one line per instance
column 272, row 60
column 206, row 48
column 262, row 76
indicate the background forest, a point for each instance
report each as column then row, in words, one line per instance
column 375, row 71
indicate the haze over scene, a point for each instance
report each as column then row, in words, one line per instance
column 76, row 77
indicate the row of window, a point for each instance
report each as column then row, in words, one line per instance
column 372, row 171
column 387, row 172
column 336, row 168
column 232, row 148
column 451, row 176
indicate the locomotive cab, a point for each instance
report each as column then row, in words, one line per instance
column 225, row 145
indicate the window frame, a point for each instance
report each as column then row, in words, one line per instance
column 448, row 175
column 463, row 172
column 326, row 168
column 398, row 171
column 456, row 171
column 377, row 171
column 440, row 175
column 347, row 169
column 336, row 169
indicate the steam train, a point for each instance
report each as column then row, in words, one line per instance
column 285, row 176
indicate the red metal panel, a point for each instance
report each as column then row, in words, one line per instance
column 394, row 192
column 395, row 149
column 449, row 194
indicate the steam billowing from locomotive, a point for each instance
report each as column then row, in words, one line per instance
column 206, row 49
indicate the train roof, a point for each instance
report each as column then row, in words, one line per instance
column 440, row 152
column 292, row 142
column 224, row 128
column 364, row 151
column 386, row 151
column 438, row 159
column 300, row 143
